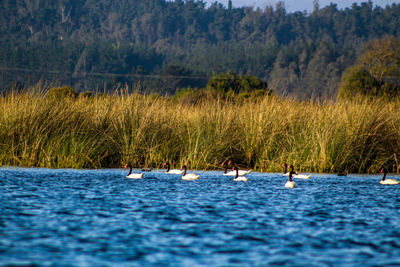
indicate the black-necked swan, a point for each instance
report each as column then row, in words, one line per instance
column 388, row 181
column 133, row 175
column 189, row 176
column 297, row 175
column 290, row 183
column 233, row 173
column 237, row 177
column 173, row 171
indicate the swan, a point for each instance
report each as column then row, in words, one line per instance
column 189, row 176
column 133, row 175
column 233, row 173
column 237, row 177
column 388, row 181
column 290, row 183
column 173, row 171
column 295, row 175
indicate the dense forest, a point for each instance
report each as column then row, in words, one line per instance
column 161, row 46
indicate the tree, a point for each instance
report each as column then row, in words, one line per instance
column 377, row 72
column 382, row 60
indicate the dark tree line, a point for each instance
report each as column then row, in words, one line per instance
column 165, row 45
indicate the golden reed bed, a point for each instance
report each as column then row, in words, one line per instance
column 146, row 130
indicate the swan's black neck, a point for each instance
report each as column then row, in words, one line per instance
column 184, row 170
column 130, row 169
column 237, row 172
column 290, row 176
column 168, row 166
column 384, row 176
column 292, row 169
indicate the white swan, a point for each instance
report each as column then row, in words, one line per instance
column 173, row 171
column 388, row 181
column 237, row 177
column 233, row 172
column 290, row 183
column 189, row 176
column 131, row 175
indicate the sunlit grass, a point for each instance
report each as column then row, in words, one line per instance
column 107, row 131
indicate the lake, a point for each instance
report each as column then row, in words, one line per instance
column 70, row 217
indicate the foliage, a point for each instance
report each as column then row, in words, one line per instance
column 167, row 45
column 231, row 83
column 377, row 72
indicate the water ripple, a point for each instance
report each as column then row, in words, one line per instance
column 100, row 218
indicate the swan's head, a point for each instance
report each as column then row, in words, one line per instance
column 383, row 170
column 165, row 163
column 291, row 167
column 126, row 166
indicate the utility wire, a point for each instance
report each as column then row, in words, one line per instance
column 102, row 74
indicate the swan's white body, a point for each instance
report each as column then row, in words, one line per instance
column 390, row 181
column 290, row 184
column 298, row 176
column 387, row 181
column 301, row 176
column 240, row 179
column 190, row 176
column 241, row 173
column 174, row 171
column 135, row 176
column 131, row 175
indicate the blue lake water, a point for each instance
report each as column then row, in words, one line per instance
column 100, row 218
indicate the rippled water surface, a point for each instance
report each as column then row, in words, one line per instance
column 100, row 218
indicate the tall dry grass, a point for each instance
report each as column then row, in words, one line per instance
column 353, row 136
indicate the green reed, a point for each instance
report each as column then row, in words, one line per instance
column 107, row 131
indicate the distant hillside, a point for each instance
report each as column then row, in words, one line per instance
column 91, row 44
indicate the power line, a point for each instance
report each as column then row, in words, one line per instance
column 103, row 74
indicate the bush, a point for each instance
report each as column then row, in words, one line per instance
column 62, row 92
column 357, row 80
column 230, row 83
